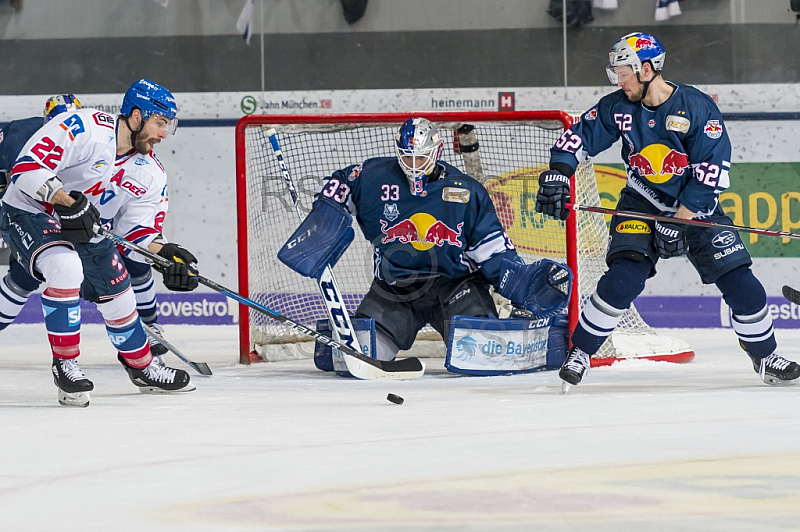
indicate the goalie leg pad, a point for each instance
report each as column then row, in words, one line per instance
column 320, row 240
column 493, row 346
column 324, row 357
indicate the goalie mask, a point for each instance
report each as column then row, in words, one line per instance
column 63, row 103
column 418, row 146
column 634, row 50
column 150, row 98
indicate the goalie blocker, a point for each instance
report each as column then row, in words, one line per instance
column 476, row 346
column 320, row 240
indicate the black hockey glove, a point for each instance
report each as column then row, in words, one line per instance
column 553, row 194
column 180, row 275
column 669, row 239
column 78, row 220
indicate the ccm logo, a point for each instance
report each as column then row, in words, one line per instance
column 133, row 189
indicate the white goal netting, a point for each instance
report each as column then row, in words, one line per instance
column 513, row 150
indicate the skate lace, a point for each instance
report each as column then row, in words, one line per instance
column 72, row 370
column 578, row 361
column 777, row 362
column 159, row 373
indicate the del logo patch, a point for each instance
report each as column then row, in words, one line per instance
column 678, row 123
column 455, row 194
column 634, row 227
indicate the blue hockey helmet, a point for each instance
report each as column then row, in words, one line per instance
column 62, row 103
column 150, row 97
column 634, row 50
column 419, row 143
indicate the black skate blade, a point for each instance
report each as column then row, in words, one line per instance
column 774, row 381
column 155, row 390
column 79, row 399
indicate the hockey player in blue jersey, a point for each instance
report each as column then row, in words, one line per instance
column 18, row 285
column 677, row 155
column 438, row 244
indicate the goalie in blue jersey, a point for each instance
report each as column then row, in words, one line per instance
column 438, row 244
column 677, row 155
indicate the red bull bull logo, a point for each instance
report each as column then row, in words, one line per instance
column 713, row 129
column 422, row 231
column 658, row 163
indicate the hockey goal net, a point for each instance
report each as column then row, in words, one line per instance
column 513, row 148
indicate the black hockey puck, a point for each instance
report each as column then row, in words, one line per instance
column 396, row 399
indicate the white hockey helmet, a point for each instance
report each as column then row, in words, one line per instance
column 419, row 139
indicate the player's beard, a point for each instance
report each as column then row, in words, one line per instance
column 143, row 144
column 635, row 95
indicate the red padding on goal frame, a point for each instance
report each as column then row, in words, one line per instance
column 678, row 358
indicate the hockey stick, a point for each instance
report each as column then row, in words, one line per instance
column 338, row 316
column 791, row 294
column 200, row 367
column 367, row 368
column 660, row 218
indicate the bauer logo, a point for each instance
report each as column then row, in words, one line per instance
column 633, row 227
column 506, row 101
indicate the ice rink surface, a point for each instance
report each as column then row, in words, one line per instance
column 281, row 446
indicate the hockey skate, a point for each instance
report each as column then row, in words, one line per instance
column 73, row 386
column 574, row 368
column 776, row 370
column 156, row 378
column 156, row 347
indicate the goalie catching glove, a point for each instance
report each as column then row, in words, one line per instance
column 543, row 287
column 180, row 276
column 320, row 240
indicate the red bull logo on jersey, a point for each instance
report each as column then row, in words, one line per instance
column 422, row 231
column 658, row 163
column 713, row 129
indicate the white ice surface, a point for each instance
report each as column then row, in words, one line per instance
column 282, row 446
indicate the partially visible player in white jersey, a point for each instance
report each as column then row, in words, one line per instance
column 48, row 216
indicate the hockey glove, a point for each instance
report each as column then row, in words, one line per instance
column 543, row 287
column 180, row 276
column 78, row 220
column 669, row 239
column 553, row 194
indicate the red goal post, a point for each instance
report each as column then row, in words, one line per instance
column 513, row 150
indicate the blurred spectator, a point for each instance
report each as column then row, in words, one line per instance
column 354, row 10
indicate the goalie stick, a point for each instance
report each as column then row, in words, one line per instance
column 363, row 367
column 339, row 318
column 660, row 218
column 200, row 367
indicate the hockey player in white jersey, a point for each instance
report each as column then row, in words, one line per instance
column 64, row 173
column 18, row 285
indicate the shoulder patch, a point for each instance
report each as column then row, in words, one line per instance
column 354, row 173
column 455, row 194
column 678, row 123
column 590, row 114
column 104, row 119
column 713, row 129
